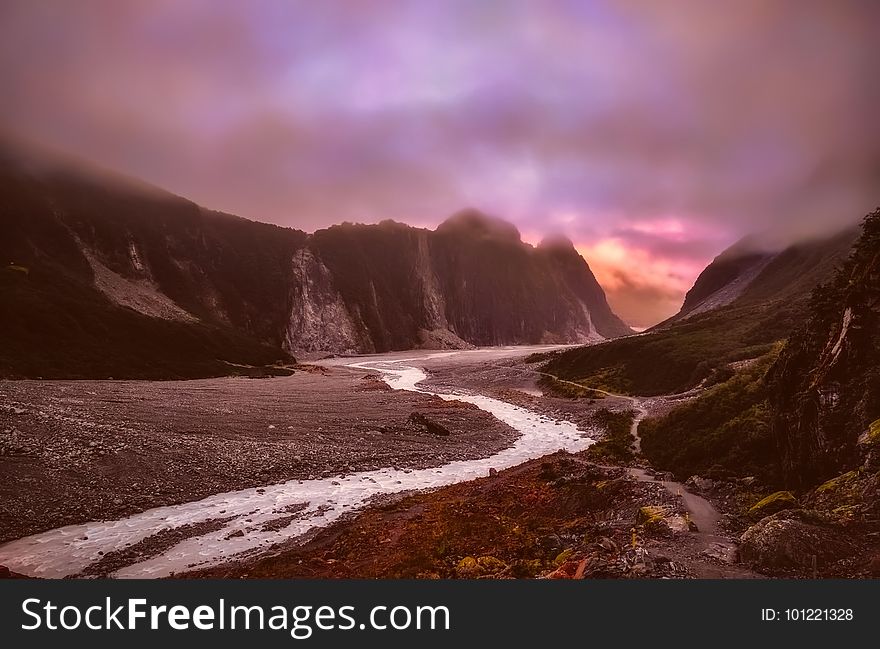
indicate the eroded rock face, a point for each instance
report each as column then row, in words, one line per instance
column 319, row 318
column 826, row 382
column 790, row 539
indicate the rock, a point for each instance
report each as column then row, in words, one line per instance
column 471, row 568
column 569, row 570
column 563, row 556
column 874, row 566
column 788, row 539
column 608, row 545
column 869, row 447
column 843, row 491
column 431, row 426
column 5, row 573
column 772, row 504
column 700, row 484
column 493, row 472
column 235, row 534
column 721, row 552
column 652, row 518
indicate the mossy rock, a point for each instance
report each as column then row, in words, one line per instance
column 563, row 556
column 843, row 491
column 843, row 481
column 470, row 567
column 490, row 565
column 845, row 514
column 526, row 568
column 871, row 437
column 467, row 567
column 874, row 432
column 773, row 503
column 652, row 518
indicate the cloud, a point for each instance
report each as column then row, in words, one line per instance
column 670, row 129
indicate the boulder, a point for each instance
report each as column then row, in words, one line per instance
column 772, row 504
column 869, row 447
column 790, row 539
column 653, row 519
column 844, row 490
column 430, row 426
column 700, row 484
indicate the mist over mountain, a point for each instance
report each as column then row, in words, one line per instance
column 103, row 275
column 761, row 268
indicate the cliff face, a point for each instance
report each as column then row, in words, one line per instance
column 470, row 282
column 826, row 383
column 101, row 275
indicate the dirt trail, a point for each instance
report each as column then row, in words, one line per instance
column 702, row 512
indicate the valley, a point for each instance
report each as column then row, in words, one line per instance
column 286, row 462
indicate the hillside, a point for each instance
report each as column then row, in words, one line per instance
column 806, row 412
column 107, row 277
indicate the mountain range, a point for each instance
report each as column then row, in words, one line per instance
column 103, row 276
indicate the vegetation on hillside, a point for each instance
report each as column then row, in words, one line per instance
column 724, row 431
column 678, row 358
column 62, row 329
column 616, row 446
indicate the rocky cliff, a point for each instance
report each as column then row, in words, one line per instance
column 102, row 275
column 472, row 281
column 825, row 386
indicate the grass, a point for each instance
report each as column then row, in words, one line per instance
column 726, row 430
column 681, row 357
column 566, row 390
column 616, row 446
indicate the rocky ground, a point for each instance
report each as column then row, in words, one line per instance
column 559, row 517
column 75, row 451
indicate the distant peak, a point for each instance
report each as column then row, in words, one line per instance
column 474, row 223
column 556, row 242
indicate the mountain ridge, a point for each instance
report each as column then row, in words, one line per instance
column 102, row 274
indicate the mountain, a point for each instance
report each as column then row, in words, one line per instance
column 750, row 273
column 746, row 300
column 471, row 281
column 102, row 275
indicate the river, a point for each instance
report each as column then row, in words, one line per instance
column 249, row 521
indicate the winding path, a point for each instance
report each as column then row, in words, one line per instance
column 703, row 513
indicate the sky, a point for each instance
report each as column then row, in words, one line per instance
column 652, row 134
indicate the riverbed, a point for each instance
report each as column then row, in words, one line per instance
column 249, row 521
